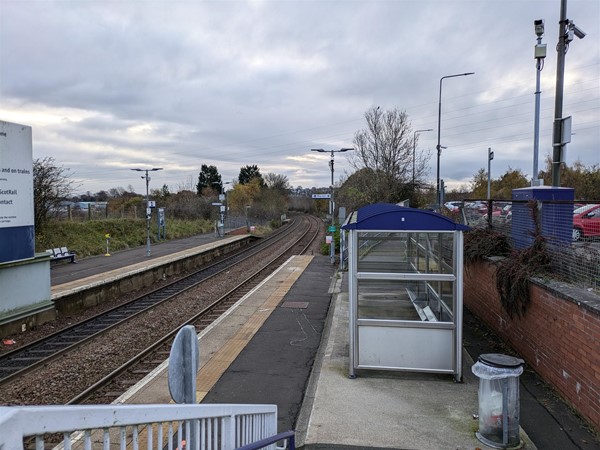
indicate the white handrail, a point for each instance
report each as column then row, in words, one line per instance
column 224, row 426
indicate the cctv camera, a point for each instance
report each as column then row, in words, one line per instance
column 539, row 27
column 578, row 32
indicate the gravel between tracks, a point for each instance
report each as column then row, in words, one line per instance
column 60, row 380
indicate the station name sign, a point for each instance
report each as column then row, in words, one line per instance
column 321, row 196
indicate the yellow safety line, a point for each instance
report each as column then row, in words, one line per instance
column 216, row 366
column 222, row 359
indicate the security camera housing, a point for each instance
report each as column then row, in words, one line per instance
column 578, row 32
column 539, row 27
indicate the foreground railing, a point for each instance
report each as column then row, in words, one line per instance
column 136, row 427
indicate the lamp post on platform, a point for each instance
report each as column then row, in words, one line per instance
column 148, row 209
column 415, row 149
column 439, row 146
column 331, row 202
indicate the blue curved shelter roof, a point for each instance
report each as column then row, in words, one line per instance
column 387, row 216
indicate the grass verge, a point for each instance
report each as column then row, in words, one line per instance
column 89, row 238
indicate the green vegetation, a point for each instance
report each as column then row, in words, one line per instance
column 88, row 238
column 515, row 270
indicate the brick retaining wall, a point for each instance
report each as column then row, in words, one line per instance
column 559, row 335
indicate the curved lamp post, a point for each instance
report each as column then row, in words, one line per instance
column 414, row 150
column 439, row 146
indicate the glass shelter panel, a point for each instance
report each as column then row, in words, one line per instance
column 409, row 300
column 406, row 252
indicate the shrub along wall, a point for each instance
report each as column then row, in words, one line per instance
column 558, row 336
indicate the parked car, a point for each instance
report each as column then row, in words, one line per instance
column 586, row 221
column 477, row 206
column 507, row 212
column 453, row 206
column 501, row 210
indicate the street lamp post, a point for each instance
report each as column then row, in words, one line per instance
column 439, row 146
column 331, row 201
column 148, row 210
column 414, row 151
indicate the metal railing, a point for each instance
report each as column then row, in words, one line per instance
column 571, row 230
column 288, row 436
column 207, row 427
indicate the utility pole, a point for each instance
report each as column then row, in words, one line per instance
column 566, row 30
column 148, row 208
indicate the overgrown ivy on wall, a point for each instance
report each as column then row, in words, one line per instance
column 514, row 271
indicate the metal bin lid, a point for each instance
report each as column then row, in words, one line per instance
column 500, row 360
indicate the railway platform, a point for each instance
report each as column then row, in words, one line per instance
column 286, row 343
column 101, row 278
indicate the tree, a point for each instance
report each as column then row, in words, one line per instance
column 385, row 147
column 243, row 195
column 355, row 192
column 511, row 179
column 51, row 186
column 187, row 205
column 277, row 182
column 500, row 188
column 479, row 184
column 585, row 181
column 209, row 177
column 247, row 173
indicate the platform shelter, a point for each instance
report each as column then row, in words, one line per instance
column 405, row 275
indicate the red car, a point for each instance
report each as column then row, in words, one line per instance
column 586, row 222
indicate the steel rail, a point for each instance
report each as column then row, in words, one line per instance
column 252, row 280
column 32, row 355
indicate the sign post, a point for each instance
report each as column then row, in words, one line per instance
column 184, row 361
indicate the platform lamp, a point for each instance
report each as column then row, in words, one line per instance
column 439, row 146
column 331, row 202
column 414, row 151
column 148, row 209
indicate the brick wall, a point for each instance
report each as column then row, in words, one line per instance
column 559, row 335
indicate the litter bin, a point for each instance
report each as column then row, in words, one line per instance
column 498, row 399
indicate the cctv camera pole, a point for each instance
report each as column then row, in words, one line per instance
column 540, row 54
column 558, row 97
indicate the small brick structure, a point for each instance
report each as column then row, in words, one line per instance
column 558, row 336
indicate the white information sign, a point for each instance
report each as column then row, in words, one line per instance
column 321, row 196
column 16, row 175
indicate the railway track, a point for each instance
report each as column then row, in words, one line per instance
column 41, row 353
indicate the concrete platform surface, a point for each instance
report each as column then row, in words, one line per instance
column 383, row 409
column 64, row 272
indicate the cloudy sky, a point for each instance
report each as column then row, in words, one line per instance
column 112, row 85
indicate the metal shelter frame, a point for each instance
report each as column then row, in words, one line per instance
column 405, row 290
